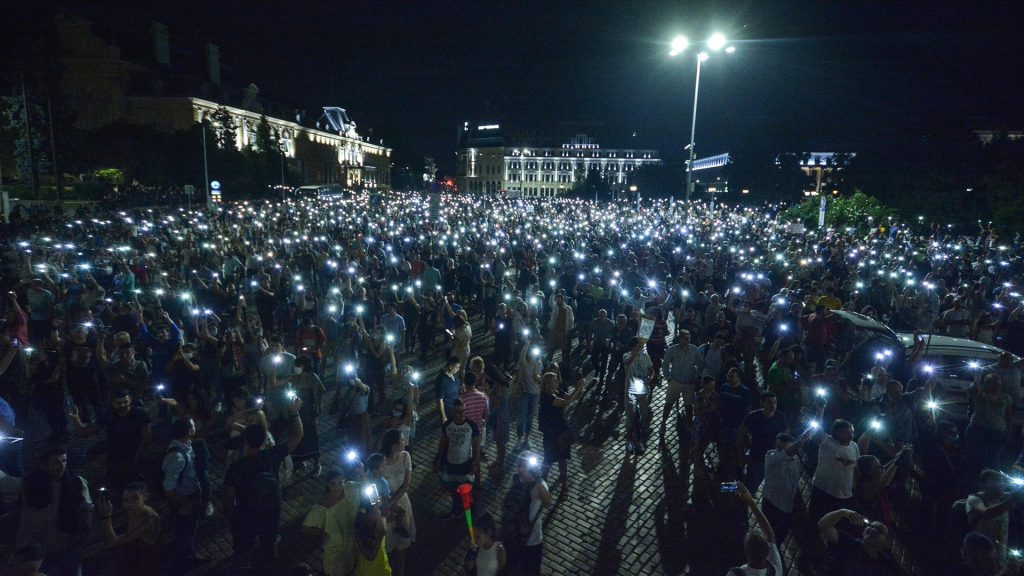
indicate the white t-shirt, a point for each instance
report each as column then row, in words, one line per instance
column 641, row 366
column 773, row 558
column 996, row 528
column 836, row 464
column 460, row 440
column 537, row 536
column 782, row 474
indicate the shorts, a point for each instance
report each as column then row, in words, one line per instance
column 454, row 474
column 675, row 390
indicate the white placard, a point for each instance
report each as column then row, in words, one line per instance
column 646, row 328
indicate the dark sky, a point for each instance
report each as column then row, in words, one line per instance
column 805, row 74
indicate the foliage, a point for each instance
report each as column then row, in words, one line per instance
column 266, row 140
column 113, row 175
column 225, row 131
column 592, row 184
column 852, row 211
column 659, row 181
column 32, row 163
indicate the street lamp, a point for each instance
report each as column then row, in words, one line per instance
column 715, row 43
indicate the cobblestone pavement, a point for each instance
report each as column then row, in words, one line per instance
column 619, row 514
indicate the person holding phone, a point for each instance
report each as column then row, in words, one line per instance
column 847, row 555
column 759, row 546
column 139, row 544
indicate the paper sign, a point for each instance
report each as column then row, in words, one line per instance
column 646, row 327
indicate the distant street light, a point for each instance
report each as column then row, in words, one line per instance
column 716, row 42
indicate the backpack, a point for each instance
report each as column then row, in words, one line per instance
column 516, row 524
column 739, row 571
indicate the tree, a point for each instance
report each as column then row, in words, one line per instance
column 266, row 142
column 593, row 185
column 790, row 178
column 857, row 210
column 224, row 127
column 659, row 180
column 27, row 128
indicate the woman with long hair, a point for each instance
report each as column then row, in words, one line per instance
column 397, row 470
column 558, row 437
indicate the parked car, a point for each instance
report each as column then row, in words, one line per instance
column 956, row 362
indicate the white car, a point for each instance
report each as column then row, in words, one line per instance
column 955, row 361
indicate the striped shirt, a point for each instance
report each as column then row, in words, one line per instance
column 476, row 407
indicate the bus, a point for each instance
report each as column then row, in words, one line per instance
column 320, row 190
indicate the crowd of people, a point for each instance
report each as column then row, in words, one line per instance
column 204, row 348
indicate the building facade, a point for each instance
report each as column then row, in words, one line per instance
column 321, row 156
column 488, row 162
column 158, row 87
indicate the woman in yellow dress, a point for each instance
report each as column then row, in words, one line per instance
column 333, row 519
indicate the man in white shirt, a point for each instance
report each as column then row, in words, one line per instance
column 681, row 367
column 782, row 472
column 832, row 485
column 957, row 320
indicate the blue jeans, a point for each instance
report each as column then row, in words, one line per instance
column 527, row 412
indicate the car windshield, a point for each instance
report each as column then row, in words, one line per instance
column 866, row 340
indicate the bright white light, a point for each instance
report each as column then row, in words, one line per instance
column 730, row 49
column 932, row 405
column 679, row 44
column 876, row 425
column 717, row 41
column 815, row 424
column 702, row 56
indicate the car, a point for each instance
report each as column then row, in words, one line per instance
column 956, row 362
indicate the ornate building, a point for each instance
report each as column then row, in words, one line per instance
column 171, row 91
column 489, row 162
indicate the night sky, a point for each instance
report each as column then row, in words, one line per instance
column 806, row 75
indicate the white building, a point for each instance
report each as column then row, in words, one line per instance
column 487, row 164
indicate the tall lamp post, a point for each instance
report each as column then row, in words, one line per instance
column 715, row 43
